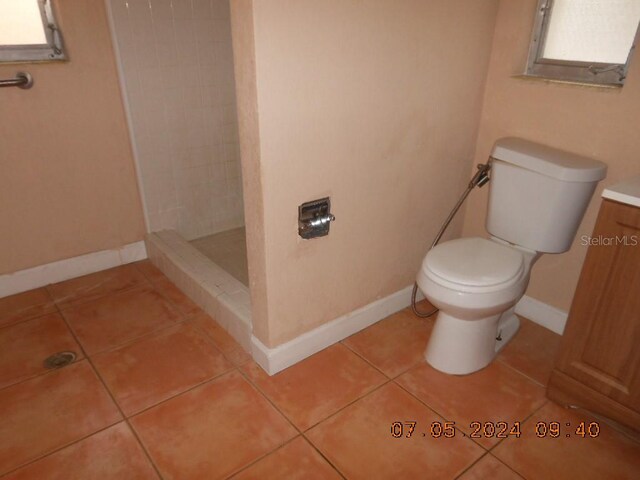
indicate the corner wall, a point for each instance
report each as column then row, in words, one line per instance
column 595, row 122
column 67, row 181
column 375, row 104
column 249, row 134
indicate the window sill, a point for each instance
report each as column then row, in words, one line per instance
column 576, row 83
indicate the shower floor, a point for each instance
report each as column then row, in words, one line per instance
column 228, row 250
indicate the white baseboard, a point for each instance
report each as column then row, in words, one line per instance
column 23, row 280
column 542, row 313
column 273, row 360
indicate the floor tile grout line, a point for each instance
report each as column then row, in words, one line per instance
column 439, row 414
column 315, row 447
column 81, row 302
column 128, row 341
column 488, row 449
column 472, row 464
column 394, row 378
column 484, row 455
column 58, row 449
column 193, row 387
column 261, row 457
column 499, row 359
column 73, row 334
column 47, row 371
column 535, row 410
column 144, row 448
column 366, row 394
column 35, row 375
column 84, row 300
column 300, row 430
column 203, row 331
column 57, row 309
column 472, row 439
column 87, row 359
column 508, row 466
column 125, row 418
column 140, row 288
column 51, row 302
column 512, row 468
column 268, row 399
column 304, row 432
column 157, row 332
column 210, row 379
column 145, row 336
column 28, row 319
column 174, row 304
column 42, row 373
column 362, row 357
column 117, row 405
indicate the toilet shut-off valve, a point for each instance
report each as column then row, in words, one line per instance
column 482, row 175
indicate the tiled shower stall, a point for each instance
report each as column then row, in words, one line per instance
column 175, row 60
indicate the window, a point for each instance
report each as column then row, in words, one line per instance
column 28, row 32
column 584, row 40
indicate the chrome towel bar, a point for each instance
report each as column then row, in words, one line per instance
column 22, row 80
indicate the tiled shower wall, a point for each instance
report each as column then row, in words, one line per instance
column 177, row 62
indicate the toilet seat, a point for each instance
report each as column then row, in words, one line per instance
column 474, row 265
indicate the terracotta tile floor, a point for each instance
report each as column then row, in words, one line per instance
column 159, row 390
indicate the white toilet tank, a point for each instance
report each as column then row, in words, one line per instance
column 538, row 195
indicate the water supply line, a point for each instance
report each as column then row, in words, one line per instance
column 480, row 178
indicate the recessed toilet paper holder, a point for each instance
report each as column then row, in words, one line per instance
column 314, row 218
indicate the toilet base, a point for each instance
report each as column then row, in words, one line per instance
column 460, row 347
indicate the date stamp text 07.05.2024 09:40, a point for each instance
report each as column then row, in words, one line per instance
column 551, row 429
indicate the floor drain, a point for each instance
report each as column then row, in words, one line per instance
column 59, row 360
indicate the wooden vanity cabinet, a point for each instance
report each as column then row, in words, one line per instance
column 598, row 366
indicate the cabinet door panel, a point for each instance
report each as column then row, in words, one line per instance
column 601, row 345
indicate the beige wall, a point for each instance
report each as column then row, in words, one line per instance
column 597, row 122
column 247, row 98
column 374, row 104
column 67, row 180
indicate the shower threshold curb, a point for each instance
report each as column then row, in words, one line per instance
column 213, row 289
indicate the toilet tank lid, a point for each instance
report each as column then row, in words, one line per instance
column 548, row 161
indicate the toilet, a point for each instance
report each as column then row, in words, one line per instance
column 537, row 198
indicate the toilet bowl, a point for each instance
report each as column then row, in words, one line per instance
column 537, row 198
column 474, row 282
